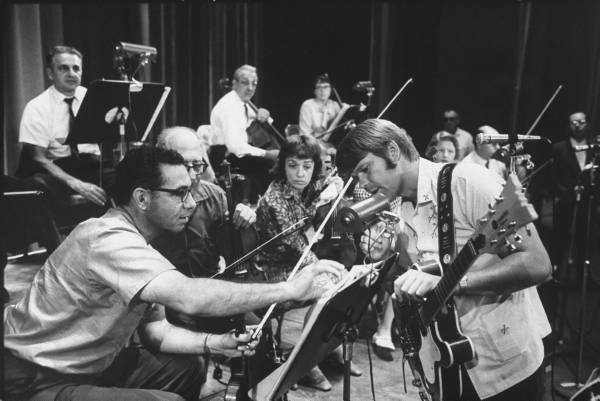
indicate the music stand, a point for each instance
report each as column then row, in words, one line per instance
column 332, row 321
column 113, row 111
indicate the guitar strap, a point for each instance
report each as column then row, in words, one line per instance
column 446, row 242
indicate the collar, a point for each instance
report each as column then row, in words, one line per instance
column 58, row 96
column 477, row 159
column 427, row 181
column 576, row 143
column 236, row 97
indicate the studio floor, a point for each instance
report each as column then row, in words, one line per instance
column 387, row 377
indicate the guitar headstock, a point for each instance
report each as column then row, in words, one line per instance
column 512, row 210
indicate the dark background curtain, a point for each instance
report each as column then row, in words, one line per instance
column 461, row 55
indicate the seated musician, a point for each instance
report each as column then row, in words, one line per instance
column 194, row 251
column 50, row 164
column 443, row 148
column 68, row 338
column 318, row 114
column 294, row 194
column 230, row 118
column 497, row 302
column 484, row 152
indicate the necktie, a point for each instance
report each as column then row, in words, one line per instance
column 69, row 102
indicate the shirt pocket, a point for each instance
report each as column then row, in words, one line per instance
column 503, row 330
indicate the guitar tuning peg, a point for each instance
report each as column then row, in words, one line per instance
column 491, row 212
column 512, row 224
column 483, row 220
column 518, row 239
column 511, row 247
column 502, row 230
column 499, row 199
column 494, row 242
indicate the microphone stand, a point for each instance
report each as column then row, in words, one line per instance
column 590, row 200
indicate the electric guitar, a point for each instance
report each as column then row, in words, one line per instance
column 431, row 338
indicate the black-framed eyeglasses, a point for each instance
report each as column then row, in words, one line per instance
column 579, row 122
column 182, row 193
column 198, row 166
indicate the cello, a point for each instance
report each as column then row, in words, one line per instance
column 261, row 134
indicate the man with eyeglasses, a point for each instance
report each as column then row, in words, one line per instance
column 229, row 119
column 194, row 251
column 69, row 338
column 317, row 114
column 566, row 176
column 464, row 139
column 55, row 167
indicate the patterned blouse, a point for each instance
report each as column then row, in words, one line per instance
column 278, row 209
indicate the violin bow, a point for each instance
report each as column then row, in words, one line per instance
column 312, row 241
column 408, row 81
column 293, row 228
column 537, row 120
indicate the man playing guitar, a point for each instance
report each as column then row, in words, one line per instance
column 496, row 301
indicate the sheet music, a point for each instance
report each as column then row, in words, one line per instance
column 159, row 107
column 265, row 390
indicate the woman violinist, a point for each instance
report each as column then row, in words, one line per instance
column 294, row 194
column 318, row 114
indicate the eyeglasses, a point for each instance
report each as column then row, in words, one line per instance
column 182, row 193
column 579, row 122
column 197, row 167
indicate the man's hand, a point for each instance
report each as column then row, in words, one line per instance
column 414, row 284
column 272, row 154
column 231, row 345
column 374, row 245
column 262, row 115
column 244, row 216
column 311, row 281
column 89, row 191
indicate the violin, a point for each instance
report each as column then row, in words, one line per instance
column 334, row 245
column 261, row 134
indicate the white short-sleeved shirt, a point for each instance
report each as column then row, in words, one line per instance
column 315, row 116
column 228, row 121
column 45, row 123
column 494, row 165
column 507, row 331
column 81, row 308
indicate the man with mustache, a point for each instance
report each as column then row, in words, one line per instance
column 229, row 119
column 55, row 167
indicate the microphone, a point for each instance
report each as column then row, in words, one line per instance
column 364, row 86
column 357, row 217
column 503, row 138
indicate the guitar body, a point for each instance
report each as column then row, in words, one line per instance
column 443, row 349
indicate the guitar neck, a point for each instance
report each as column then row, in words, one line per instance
column 450, row 279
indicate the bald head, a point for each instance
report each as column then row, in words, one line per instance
column 182, row 140
column 486, row 150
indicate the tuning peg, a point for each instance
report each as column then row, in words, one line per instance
column 499, row 199
column 511, row 247
column 494, row 242
column 483, row 220
column 518, row 239
column 492, row 212
column 502, row 230
column 512, row 224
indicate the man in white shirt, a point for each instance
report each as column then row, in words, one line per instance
column 497, row 302
column 229, row 119
column 483, row 153
column 44, row 129
column 465, row 139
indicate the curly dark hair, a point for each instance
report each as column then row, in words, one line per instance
column 140, row 169
column 302, row 147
